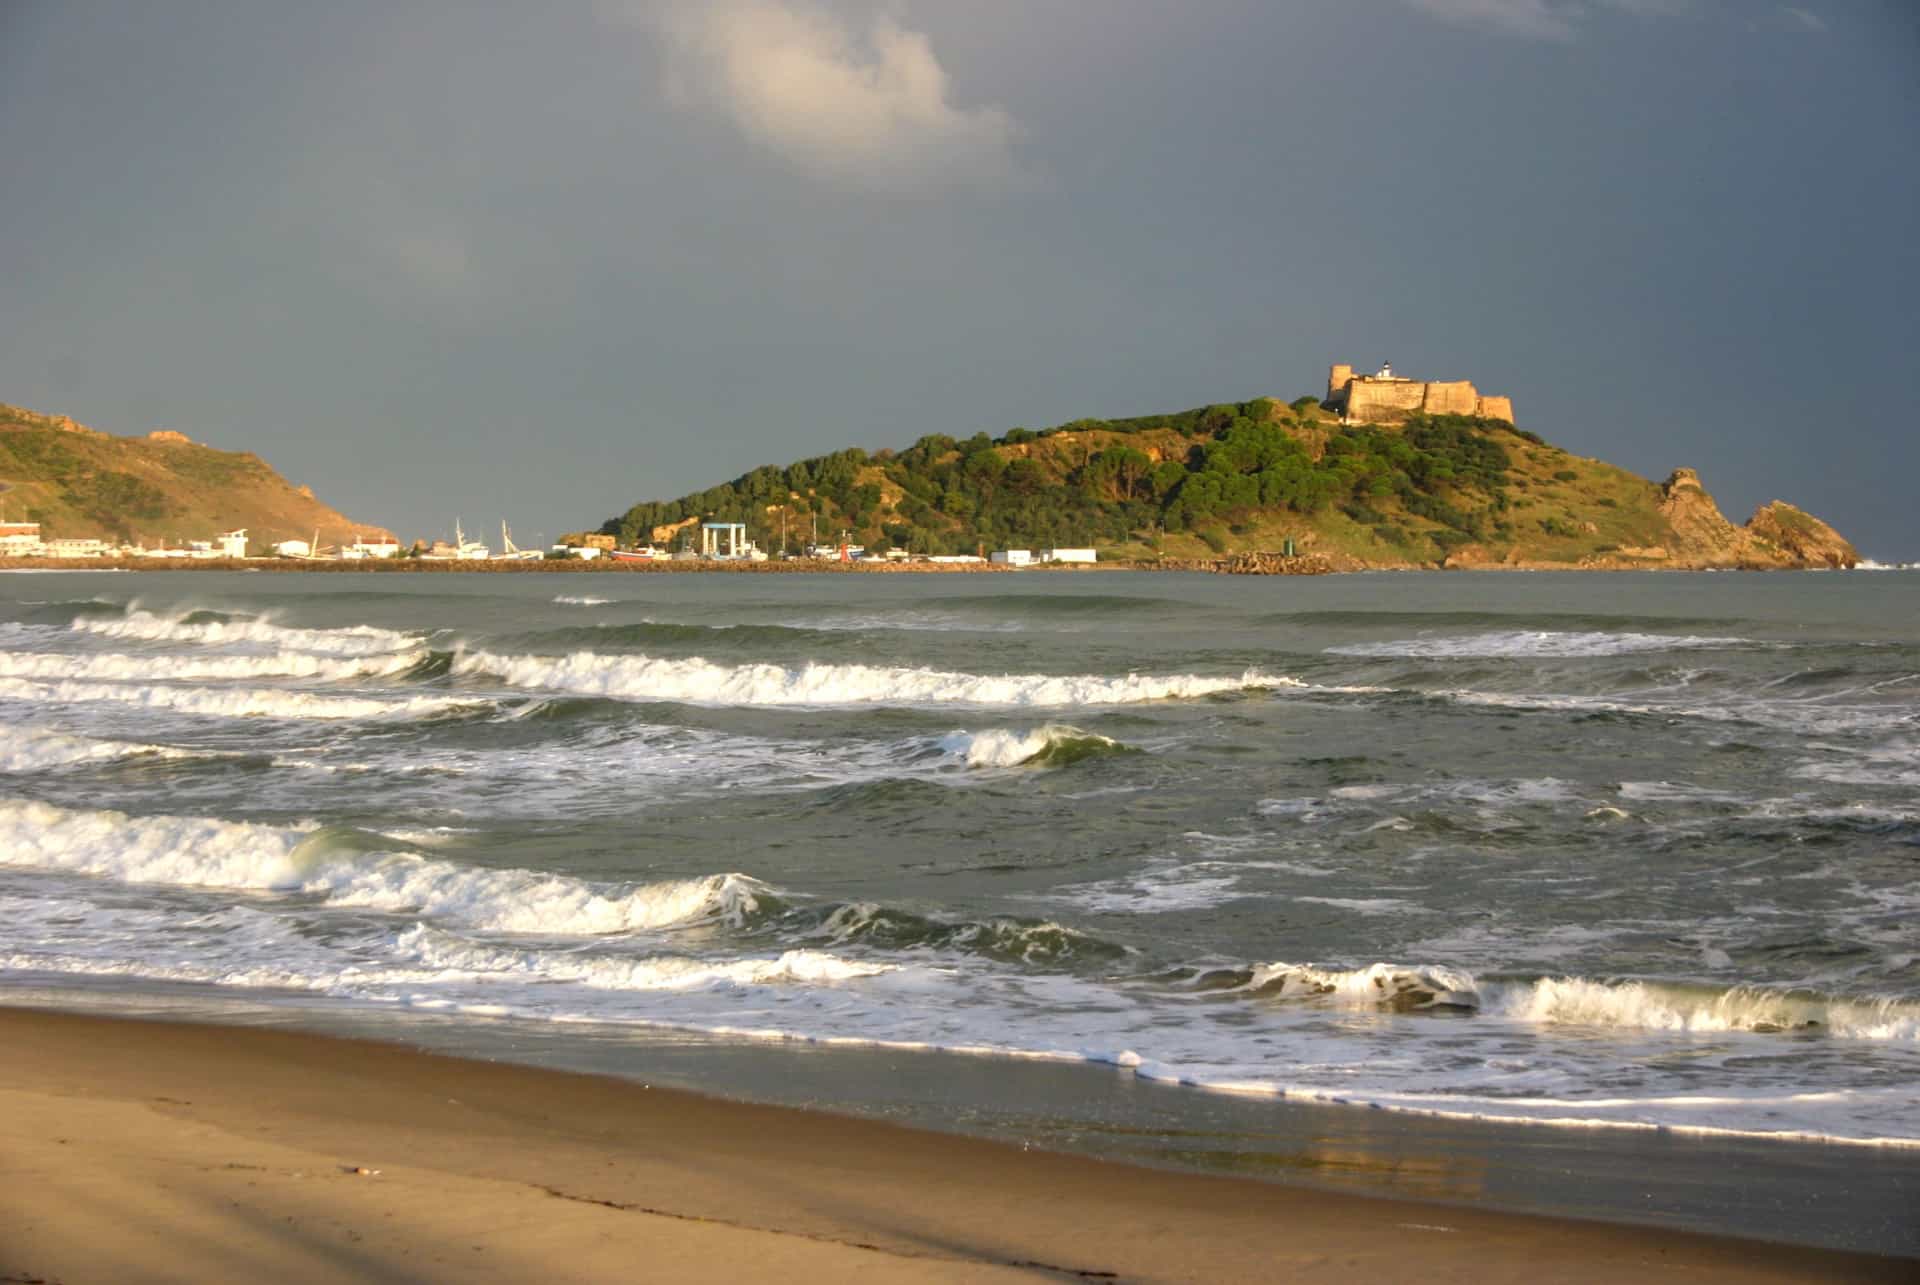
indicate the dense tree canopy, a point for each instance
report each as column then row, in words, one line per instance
column 1111, row 481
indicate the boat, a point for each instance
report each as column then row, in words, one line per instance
column 461, row 550
column 509, row 552
column 645, row 553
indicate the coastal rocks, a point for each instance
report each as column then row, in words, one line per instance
column 1702, row 534
column 1801, row 536
column 1274, row 564
column 1778, row 535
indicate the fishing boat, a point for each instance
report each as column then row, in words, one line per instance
column 510, row 552
column 461, row 550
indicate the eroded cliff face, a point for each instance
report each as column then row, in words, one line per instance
column 1801, row 536
column 1701, row 533
column 1778, row 535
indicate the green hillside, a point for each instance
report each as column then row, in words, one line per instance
column 1435, row 490
column 78, row 482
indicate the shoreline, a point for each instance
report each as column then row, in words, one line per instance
column 602, row 566
column 137, row 1148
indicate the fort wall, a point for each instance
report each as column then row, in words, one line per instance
column 1457, row 398
column 1384, row 399
column 1376, row 401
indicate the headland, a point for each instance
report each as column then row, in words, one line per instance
column 1378, row 472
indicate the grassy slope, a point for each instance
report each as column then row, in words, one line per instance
column 84, row 483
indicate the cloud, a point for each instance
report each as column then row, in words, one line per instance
column 1802, row 19
column 870, row 107
column 1543, row 19
column 1518, row 17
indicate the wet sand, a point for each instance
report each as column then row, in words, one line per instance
column 137, row 1151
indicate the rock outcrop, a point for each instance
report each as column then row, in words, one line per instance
column 1801, row 536
column 1778, row 535
column 1701, row 533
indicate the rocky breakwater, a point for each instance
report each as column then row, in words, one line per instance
column 1252, row 563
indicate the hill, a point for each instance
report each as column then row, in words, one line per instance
column 1434, row 490
column 79, row 482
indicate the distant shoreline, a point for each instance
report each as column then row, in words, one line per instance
column 602, row 566
column 566, row 566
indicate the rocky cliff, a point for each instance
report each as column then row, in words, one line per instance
column 1778, row 534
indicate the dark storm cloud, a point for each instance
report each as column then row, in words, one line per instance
column 443, row 260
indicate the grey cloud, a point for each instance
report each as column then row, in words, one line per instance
column 870, row 106
column 1544, row 19
column 1519, row 17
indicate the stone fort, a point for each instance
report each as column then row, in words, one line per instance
column 1386, row 398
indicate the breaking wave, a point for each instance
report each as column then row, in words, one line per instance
column 1668, row 1006
column 345, row 867
column 580, row 600
column 289, row 664
column 434, row 949
column 1575, row 1001
column 698, row 681
column 28, row 750
column 220, row 702
column 1004, row 937
column 1389, row 986
column 213, row 629
column 1052, row 745
column 1535, row 643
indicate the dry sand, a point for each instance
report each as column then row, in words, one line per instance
column 144, row 1151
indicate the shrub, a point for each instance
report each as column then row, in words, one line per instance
column 1565, row 475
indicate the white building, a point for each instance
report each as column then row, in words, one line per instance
column 956, row 558
column 1012, row 557
column 76, row 548
column 20, row 540
column 361, row 549
column 1066, row 555
column 233, row 544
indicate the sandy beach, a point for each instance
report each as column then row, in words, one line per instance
column 146, row 1151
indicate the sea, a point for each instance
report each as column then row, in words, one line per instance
column 1575, row 857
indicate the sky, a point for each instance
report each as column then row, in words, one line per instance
column 480, row 260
